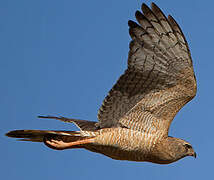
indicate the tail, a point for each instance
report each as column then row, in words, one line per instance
column 38, row 135
column 59, row 139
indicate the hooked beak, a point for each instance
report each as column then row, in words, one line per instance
column 194, row 155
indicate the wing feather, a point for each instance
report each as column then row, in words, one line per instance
column 159, row 79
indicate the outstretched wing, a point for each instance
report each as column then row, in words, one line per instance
column 159, row 79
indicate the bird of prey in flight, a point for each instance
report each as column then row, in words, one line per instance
column 135, row 116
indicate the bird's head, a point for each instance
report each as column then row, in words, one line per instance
column 172, row 149
column 180, row 148
column 189, row 150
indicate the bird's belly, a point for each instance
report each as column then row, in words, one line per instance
column 118, row 153
column 122, row 144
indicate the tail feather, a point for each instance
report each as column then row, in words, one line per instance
column 57, row 140
column 38, row 135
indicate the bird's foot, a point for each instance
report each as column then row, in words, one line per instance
column 56, row 144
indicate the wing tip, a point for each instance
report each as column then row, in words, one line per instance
column 155, row 6
column 145, row 8
column 132, row 24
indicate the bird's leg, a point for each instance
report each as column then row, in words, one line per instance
column 60, row 145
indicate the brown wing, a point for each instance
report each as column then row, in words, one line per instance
column 159, row 80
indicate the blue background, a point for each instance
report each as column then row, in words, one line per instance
column 62, row 57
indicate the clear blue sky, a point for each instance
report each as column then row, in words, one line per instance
column 62, row 57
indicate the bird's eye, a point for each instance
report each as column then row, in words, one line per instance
column 188, row 146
